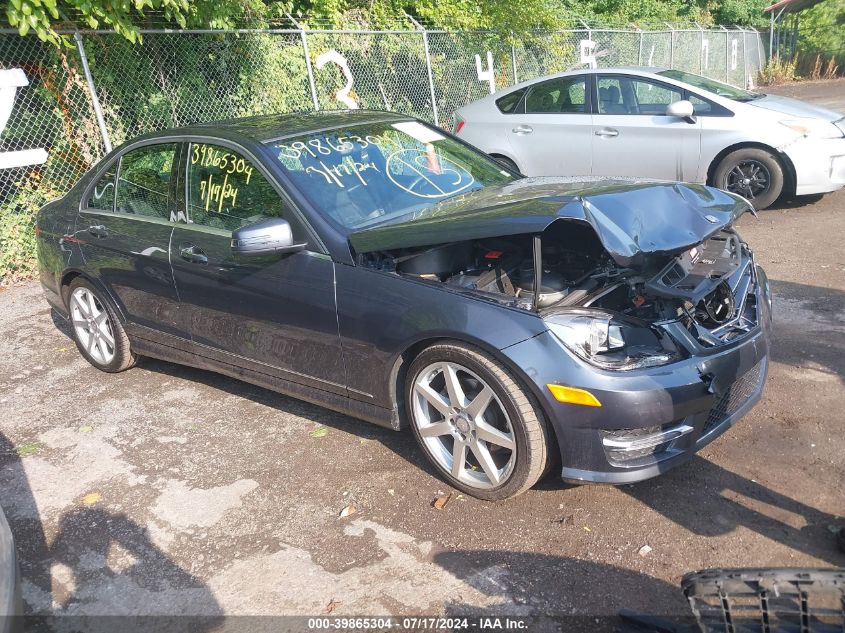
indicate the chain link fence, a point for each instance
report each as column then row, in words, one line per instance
column 50, row 131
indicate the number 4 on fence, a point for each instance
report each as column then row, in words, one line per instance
column 488, row 75
column 10, row 81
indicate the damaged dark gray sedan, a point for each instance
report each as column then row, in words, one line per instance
column 372, row 264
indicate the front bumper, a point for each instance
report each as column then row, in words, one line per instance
column 653, row 419
column 819, row 164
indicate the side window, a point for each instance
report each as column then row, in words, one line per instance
column 226, row 191
column 508, row 104
column 629, row 95
column 143, row 184
column 102, row 195
column 700, row 106
column 565, row 95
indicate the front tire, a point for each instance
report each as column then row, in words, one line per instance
column 477, row 425
column 97, row 332
column 755, row 174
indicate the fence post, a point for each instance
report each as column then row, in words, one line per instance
column 309, row 70
column 640, row 54
column 307, row 54
column 727, row 56
column 513, row 64
column 671, row 46
column 424, row 32
column 95, row 100
column 430, row 78
column 745, row 60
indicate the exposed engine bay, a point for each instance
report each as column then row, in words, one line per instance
column 709, row 288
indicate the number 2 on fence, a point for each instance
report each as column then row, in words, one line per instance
column 341, row 95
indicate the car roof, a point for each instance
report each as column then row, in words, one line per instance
column 269, row 127
column 640, row 70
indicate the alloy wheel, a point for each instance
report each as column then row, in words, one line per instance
column 463, row 425
column 749, row 178
column 92, row 325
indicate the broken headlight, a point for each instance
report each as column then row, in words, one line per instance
column 610, row 341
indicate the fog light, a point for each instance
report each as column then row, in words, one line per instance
column 573, row 395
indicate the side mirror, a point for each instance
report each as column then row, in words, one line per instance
column 265, row 237
column 682, row 110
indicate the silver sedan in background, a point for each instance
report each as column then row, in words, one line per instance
column 659, row 123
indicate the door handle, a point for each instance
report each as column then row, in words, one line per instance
column 522, row 129
column 606, row 132
column 192, row 253
column 99, row 231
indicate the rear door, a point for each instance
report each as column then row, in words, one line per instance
column 633, row 136
column 269, row 313
column 124, row 228
column 550, row 135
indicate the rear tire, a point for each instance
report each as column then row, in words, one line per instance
column 479, row 427
column 506, row 162
column 753, row 173
column 97, row 332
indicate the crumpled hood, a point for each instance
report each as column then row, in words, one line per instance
column 794, row 107
column 633, row 219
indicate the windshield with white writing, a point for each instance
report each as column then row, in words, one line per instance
column 368, row 174
column 711, row 85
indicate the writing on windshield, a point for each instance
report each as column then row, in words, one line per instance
column 372, row 173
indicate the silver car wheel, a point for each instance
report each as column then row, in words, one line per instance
column 463, row 425
column 92, row 325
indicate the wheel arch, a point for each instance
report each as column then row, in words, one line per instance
column 68, row 277
column 500, row 154
column 398, row 374
column 788, row 168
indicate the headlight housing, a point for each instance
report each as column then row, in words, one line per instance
column 611, row 341
column 817, row 128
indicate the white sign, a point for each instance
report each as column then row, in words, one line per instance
column 587, row 55
column 341, row 95
column 488, row 75
column 705, row 53
column 734, row 54
column 10, row 81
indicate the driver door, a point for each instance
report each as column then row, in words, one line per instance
column 269, row 313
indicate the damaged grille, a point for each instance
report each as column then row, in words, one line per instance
column 756, row 600
column 746, row 316
column 736, row 395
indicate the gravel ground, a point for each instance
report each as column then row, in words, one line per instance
column 168, row 490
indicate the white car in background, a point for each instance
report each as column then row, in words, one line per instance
column 659, row 123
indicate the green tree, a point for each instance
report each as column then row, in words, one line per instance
column 43, row 17
column 821, row 31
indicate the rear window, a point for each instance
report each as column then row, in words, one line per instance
column 509, row 103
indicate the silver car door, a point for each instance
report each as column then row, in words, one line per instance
column 633, row 135
column 551, row 136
